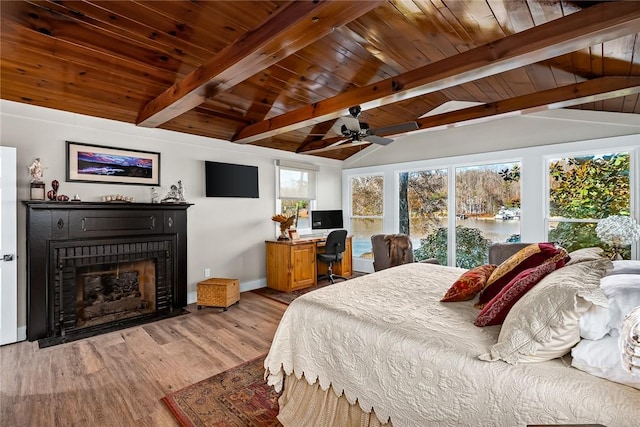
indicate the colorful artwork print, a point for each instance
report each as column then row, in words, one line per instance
column 94, row 163
column 112, row 165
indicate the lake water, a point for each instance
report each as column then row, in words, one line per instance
column 492, row 229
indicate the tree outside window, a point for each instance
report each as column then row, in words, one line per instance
column 583, row 190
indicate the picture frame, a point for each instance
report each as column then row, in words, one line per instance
column 293, row 234
column 111, row 165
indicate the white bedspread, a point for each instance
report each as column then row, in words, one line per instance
column 386, row 342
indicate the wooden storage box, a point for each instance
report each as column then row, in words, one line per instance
column 218, row 292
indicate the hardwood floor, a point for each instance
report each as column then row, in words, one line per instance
column 118, row 379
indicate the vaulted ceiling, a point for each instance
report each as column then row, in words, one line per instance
column 281, row 74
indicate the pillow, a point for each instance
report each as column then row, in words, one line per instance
column 602, row 359
column 625, row 267
column 527, row 257
column 496, row 310
column 469, row 284
column 623, row 294
column 543, row 324
column 585, row 254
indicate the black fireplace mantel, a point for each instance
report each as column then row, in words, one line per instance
column 54, row 224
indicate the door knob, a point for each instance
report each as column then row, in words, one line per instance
column 7, row 257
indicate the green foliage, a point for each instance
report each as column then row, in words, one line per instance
column 590, row 187
column 367, row 195
column 472, row 248
column 587, row 188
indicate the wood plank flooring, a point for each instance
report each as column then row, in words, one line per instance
column 118, row 379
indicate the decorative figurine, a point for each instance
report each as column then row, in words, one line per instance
column 172, row 195
column 155, row 197
column 285, row 223
column 175, row 194
column 36, row 170
column 181, row 198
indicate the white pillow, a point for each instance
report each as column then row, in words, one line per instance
column 625, row 267
column 623, row 294
column 544, row 323
column 602, row 359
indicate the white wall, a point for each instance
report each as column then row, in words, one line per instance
column 224, row 234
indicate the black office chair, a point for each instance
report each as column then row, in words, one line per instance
column 334, row 248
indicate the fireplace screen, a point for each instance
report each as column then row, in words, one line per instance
column 112, row 292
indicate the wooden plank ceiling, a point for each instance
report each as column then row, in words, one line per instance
column 281, row 74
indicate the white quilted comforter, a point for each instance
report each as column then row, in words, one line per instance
column 387, row 343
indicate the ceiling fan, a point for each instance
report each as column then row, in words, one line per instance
column 354, row 132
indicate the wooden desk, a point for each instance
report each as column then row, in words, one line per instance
column 292, row 265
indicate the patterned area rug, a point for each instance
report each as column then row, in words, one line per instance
column 287, row 297
column 239, row 397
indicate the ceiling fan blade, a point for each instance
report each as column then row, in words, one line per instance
column 351, row 123
column 395, row 129
column 378, row 139
column 345, row 143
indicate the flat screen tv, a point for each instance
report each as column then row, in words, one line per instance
column 326, row 220
column 230, row 180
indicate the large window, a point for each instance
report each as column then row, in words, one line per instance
column 367, row 201
column 487, row 210
column 423, row 212
column 296, row 192
column 583, row 190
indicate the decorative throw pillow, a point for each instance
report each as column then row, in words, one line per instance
column 543, row 324
column 585, row 254
column 496, row 310
column 469, row 284
column 527, row 257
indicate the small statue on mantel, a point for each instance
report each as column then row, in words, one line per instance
column 36, row 170
column 181, row 198
column 175, row 194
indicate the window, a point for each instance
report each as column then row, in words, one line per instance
column 296, row 189
column 423, row 212
column 583, row 190
column 367, row 212
column 487, row 210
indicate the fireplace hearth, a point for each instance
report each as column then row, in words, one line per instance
column 107, row 267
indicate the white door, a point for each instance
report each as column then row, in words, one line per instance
column 8, row 238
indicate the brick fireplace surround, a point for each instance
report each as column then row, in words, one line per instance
column 97, row 267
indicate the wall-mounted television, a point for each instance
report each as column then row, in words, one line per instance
column 230, row 180
column 326, row 220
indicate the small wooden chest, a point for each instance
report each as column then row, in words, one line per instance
column 218, row 292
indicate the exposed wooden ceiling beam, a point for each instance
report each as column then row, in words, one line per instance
column 566, row 96
column 595, row 25
column 290, row 29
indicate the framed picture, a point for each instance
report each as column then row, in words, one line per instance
column 293, row 234
column 109, row 165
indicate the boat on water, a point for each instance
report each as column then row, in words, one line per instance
column 507, row 214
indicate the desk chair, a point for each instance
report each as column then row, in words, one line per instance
column 334, row 248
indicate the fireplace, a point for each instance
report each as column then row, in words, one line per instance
column 98, row 267
column 115, row 291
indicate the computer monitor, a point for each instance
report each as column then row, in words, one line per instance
column 326, row 220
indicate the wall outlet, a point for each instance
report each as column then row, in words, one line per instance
column 207, row 272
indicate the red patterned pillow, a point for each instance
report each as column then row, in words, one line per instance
column 495, row 311
column 469, row 284
column 527, row 257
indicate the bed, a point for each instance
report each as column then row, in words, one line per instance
column 382, row 349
